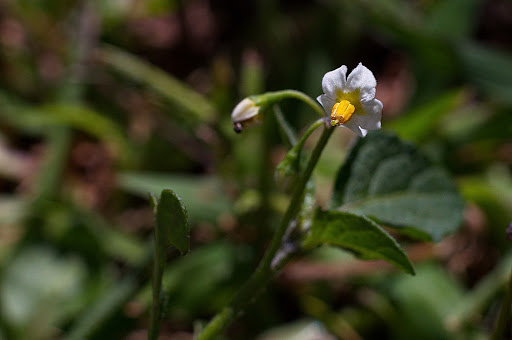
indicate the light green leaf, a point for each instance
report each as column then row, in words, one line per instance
column 390, row 181
column 424, row 302
column 358, row 234
column 203, row 196
column 419, row 124
column 172, row 221
column 38, row 289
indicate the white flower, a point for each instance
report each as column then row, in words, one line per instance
column 350, row 101
column 245, row 114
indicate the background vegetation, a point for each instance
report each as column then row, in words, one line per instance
column 102, row 102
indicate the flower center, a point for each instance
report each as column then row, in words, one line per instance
column 342, row 113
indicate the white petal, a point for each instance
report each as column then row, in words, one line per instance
column 334, row 80
column 326, row 102
column 366, row 94
column 245, row 110
column 370, row 120
column 352, row 125
column 361, row 77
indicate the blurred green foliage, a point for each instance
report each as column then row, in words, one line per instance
column 104, row 101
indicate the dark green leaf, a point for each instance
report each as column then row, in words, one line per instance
column 453, row 18
column 489, row 69
column 172, row 221
column 389, row 180
column 358, row 234
column 159, row 81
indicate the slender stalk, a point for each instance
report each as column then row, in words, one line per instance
column 265, row 172
column 287, row 133
column 265, row 271
column 300, row 143
column 158, row 270
column 274, row 97
column 504, row 315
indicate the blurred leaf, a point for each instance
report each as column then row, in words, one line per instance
column 50, row 173
column 489, row 69
column 420, row 123
column 454, row 19
column 475, row 302
column 402, row 21
column 389, row 180
column 113, row 241
column 12, row 209
column 497, row 128
column 38, row 119
column 424, row 302
column 251, row 75
column 298, row 330
column 37, row 289
column 105, row 307
column 493, row 195
column 365, row 238
column 172, row 222
column 203, row 280
column 202, row 195
column 162, row 83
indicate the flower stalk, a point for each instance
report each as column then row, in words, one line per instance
column 266, row 271
column 274, row 97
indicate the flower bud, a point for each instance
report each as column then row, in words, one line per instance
column 245, row 114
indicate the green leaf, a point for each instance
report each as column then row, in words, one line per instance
column 172, row 221
column 390, row 181
column 203, row 195
column 41, row 119
column 424, row 302
column 365, row 238
column 453, row 18
column 489, row 69
column 421, row 123
column 38, row 289
column 160, row 82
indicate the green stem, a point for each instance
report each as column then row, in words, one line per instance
column 287, row 133
column 300, row 144
column 265, row 172
column 158, row 270
column 504, row 316
column 274, row 97
column 265, row 271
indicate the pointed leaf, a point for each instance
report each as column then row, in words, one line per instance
column 358, row 234
column 390, row 181
column 172, row 222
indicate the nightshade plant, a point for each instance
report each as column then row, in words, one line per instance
column 383, row 182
